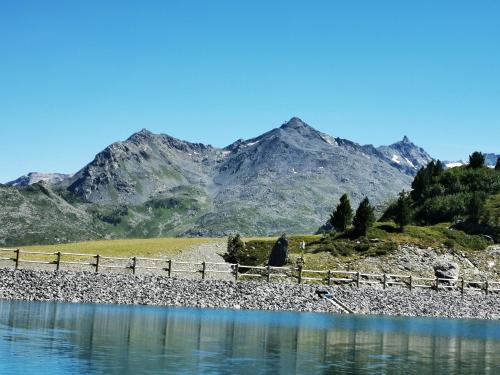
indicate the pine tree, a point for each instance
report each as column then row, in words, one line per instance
column 475, row 208
column 423, row 180
column 476, row 160
column 497, row 166
column 403, row 212
column 364, row 218
column 341, row 218
column 438, row 169
column 235, row 247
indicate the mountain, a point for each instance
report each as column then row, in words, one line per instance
column 36, row 214
column 296, row 170
column 489, row 159
column 407, row 154
column 34, row 177
column 286, row 180
column 144, row 166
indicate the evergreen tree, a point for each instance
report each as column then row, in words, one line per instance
column 341, row 218
column 235, row 246
column 418, row 185
column 475, row 208
column 437, row 169
column 423, row 180
column 230, row 246
column 403, row 211
column 497, row 166
column 476, row 160
column 364, row 218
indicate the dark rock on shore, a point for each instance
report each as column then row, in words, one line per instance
column 279, row 253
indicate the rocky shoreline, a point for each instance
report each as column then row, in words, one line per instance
column 91, row 287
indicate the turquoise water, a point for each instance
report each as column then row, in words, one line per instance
column 60, row 338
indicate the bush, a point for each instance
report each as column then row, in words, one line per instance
column 235, row 248
column 385, row 248
column 403, row 213
column 473, row 242
column 449, row 243
column 362, row 247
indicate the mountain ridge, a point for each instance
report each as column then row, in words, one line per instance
column 285, row 180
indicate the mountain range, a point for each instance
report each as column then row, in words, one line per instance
column 490, row 159
column 286, row 180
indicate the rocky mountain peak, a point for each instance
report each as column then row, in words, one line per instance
column 406, row 154
column 296, row 130
column 35, row 177
column 295, row 123
column 141, row 135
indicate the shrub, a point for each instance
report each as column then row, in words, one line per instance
column 403, row 213
column 235, row 248
column 449, row 243
column 362, row 247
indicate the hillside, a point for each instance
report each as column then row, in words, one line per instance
column 35, row 214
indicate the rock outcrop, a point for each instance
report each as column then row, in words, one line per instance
column 279, row 252
column 445, row 269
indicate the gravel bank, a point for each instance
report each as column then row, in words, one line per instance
column 429, row 303
column 90, row 287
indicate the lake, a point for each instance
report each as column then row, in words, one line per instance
column 61, row 338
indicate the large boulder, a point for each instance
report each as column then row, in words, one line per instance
column 279, row 253
column 445, row 269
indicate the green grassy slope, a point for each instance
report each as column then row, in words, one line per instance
column 35, row 214
column 325, row 251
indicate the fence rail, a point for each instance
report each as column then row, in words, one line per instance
column 298, row 274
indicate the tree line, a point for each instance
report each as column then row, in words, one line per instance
column 437, row 195
column 343, row 216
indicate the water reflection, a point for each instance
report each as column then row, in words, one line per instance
column 51, row 338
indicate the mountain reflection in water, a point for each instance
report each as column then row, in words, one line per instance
column 61, row 338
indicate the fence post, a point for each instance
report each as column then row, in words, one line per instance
column 97, row 260
column 487, row 289
column 385, row 280
column 134, row 264
column 268, row 273
column 203, row 270
column 329, row 277
column 411, row 282
column 169, row 267
column 462, row 287
column 357, row 278
column 17, row 258
column 58, row 261
column 300, row 273
column 236, row 270
column 437, row 284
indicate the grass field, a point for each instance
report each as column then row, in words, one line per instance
column 128, row 247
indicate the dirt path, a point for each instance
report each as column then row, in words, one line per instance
column 209, row 252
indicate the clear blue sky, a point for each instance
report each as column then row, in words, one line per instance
column 76, row 76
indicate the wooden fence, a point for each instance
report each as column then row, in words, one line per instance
column 268, row 273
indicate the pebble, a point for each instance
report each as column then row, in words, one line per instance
column 109, row 288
